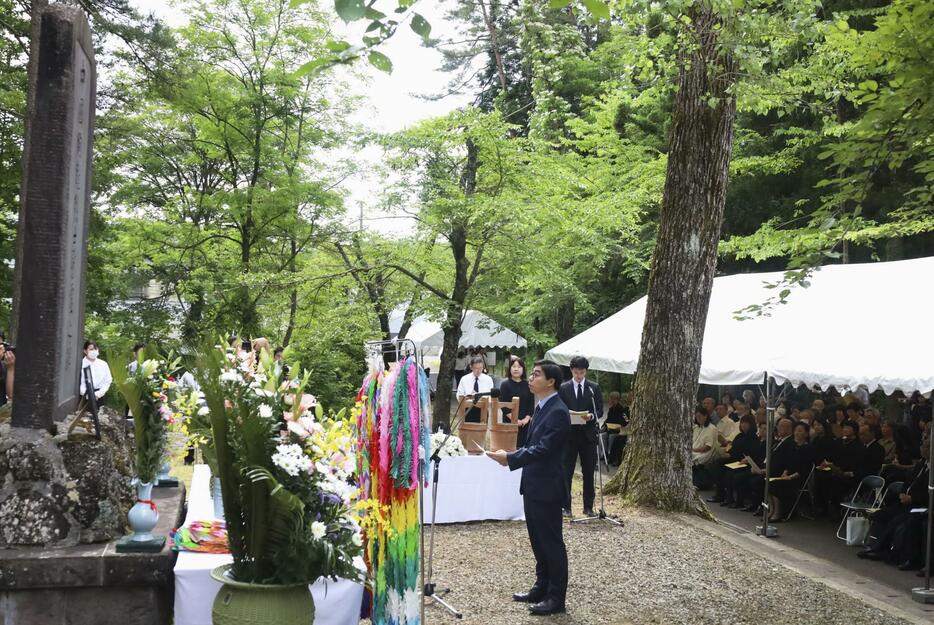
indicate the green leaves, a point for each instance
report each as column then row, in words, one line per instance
column 421, row 26
column 350, row 10
column 380, row 61
column 598, row 8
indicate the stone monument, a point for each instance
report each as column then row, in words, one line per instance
column 55, row 216
column 60, row 490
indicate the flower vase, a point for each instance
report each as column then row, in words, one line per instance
column 217, row 498
column 143, row 517
column 238, row 603
column 163, row 478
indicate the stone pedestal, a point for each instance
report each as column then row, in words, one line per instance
column 93, row 584
column 60, row 491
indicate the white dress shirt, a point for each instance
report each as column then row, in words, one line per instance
column 706, row 437
column 100, row 375
column 484, row 384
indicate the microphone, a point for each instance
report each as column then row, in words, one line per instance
column 493, row 392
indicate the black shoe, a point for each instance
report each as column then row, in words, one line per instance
column 922, row 573
column 870, row 554
column 589, row 512
column 546, row 607
column 734, row 505
column 532, row 596
column 908, row 565
column 753, row 508
column 714, row 499
column 726, row 503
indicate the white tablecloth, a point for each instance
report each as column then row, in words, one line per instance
column 475, row 488
column 336, row 603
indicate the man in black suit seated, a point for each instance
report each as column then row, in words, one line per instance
column 543, row 489
column 895, row 534
column 582, row 395
column 873, row 452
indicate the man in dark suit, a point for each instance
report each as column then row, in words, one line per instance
column 543, row 489
column 580, row 394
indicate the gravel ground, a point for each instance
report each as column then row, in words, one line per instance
column 655, row 570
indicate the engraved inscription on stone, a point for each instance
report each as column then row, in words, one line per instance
column 76, row 212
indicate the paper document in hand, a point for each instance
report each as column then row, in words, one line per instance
column 735, row 465
column 578, row 417
column 752, row 464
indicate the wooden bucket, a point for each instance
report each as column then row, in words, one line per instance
column 471, row 433
column 504, row 435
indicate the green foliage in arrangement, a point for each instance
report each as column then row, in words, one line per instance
column 285, row 470
column 146, row 386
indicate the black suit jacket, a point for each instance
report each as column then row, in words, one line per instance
column 592, row 398
column 542, row 458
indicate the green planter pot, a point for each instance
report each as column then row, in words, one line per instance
column 239, row 603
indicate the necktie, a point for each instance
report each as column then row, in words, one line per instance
column 580, row 392
column 476, row 385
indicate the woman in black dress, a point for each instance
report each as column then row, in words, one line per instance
column 517, row 386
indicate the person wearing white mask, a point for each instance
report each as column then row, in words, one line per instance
column 100, row 371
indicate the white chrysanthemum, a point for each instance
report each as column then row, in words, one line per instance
column 203, row 411
column 265, row 411
column 291, row 459
column 318, row 530
column 264, row 392
column 357, row 539
column 230, row 376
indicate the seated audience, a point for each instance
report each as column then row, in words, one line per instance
column 745, row 444
column 896, row 534
column 752, row 486
column 873, row 452
column 705, row 448
column 785, row 487
column 617, row 418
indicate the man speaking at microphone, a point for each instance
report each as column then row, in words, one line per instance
column 543, row 490
column 582, row 395
column 474, row 384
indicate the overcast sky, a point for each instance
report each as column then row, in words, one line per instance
column 390, row 102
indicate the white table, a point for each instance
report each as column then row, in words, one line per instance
column 336, row 603
column 475, row 488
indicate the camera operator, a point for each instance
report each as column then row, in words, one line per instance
column 7, row 368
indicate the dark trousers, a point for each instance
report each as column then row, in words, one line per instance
column 543, row 520
column 885, row 525
column 581, row 443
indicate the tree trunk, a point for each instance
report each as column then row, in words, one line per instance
column 657, row 467
column 293, row 296
column 455, row 307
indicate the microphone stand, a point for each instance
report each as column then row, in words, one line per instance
column 429, row 591
column 601, row 515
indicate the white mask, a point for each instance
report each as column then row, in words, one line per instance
column 92, row 354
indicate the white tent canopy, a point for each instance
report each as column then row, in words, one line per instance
column 477, row 330
column 855, row 324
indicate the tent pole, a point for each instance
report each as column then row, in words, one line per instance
column 926, row 593
column 769, row 531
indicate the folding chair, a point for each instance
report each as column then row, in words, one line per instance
column 895, row 487
column 806, row 487
column 858, row 505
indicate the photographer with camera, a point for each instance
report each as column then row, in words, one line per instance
column 7, row 369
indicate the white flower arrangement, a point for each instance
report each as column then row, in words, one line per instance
column 292, row 459
column 452, row 448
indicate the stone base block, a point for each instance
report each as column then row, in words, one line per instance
column 171, row 482
column 93, row 584
column 128, row 545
